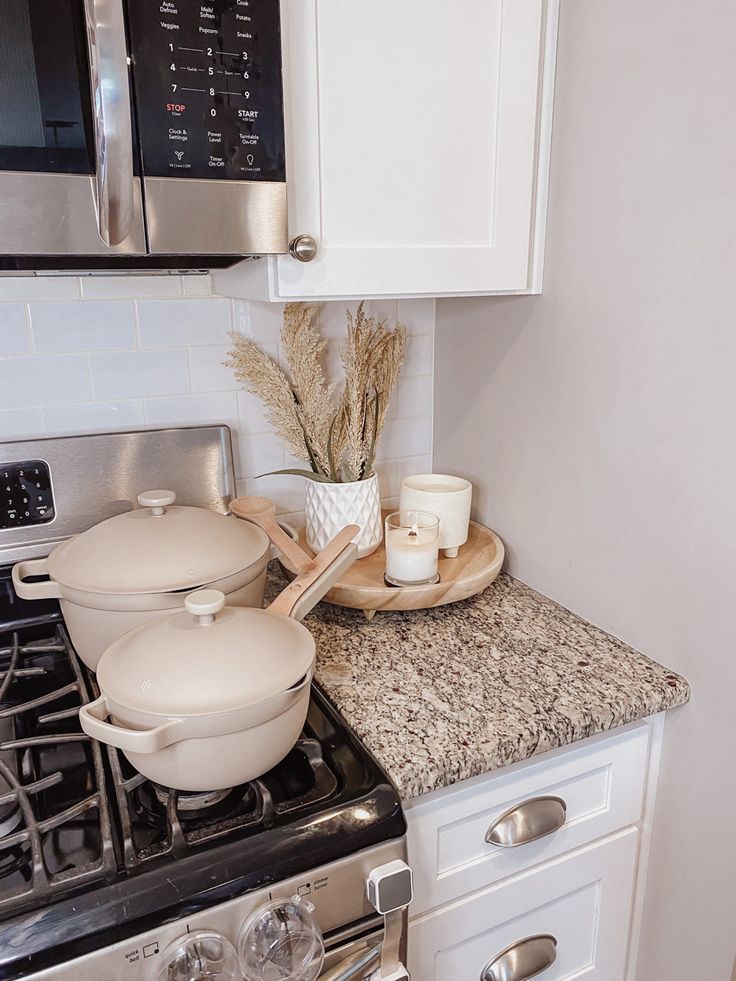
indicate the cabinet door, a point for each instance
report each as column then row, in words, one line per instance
column 412, row 138
column 583, row 901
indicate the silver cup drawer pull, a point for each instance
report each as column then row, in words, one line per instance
column 522, row 960
column 527, row 822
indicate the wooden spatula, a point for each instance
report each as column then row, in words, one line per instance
column 262, row 512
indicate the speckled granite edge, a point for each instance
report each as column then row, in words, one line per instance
column 442, row 695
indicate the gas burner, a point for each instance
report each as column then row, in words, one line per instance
column 152, row 802
column 158, row 822
column 188, row 801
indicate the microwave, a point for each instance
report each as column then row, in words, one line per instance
column 140, row 133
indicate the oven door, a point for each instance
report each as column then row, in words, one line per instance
column 67, row 181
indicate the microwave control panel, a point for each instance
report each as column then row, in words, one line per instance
column 208, row 88
column 27, row 497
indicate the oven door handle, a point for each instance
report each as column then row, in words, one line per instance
column 112, row 119
column 353, row 966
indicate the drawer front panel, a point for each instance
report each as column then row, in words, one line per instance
column 601, row 785
column 583, row 901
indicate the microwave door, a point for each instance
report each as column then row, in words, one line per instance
column 63, row 93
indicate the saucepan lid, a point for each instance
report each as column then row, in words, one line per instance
column 206, row 659
column 158, row 548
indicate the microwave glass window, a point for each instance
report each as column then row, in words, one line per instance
column 207, row 80
column 45, row 111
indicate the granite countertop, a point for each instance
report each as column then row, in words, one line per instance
column 445, row 694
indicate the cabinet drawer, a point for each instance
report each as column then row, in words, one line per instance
column 583, row 901
column 602, row 786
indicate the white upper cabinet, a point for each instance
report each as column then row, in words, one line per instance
column 417, row 148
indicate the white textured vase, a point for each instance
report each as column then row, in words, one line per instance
column 329, row 507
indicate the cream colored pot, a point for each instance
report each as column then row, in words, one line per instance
column 138, row 566
column 213, row 696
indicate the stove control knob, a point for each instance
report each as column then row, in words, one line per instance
column 197, row 956
column 281, row 939
column 303, row 248
column 390, row 887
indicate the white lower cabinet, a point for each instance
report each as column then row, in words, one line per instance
column 537, row 869
column 583, row 901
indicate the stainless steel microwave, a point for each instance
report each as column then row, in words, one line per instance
column 140, row 133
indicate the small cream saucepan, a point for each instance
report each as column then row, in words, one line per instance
column 214, row 696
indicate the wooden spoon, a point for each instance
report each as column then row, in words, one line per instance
column 262, row 512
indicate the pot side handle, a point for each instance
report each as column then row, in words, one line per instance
column 34, row 590
column 93, row 720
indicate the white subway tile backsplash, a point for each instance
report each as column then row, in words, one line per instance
column 110, row 287
column 333, row 316
column 287, row 491
column 257, row 454
column 414, row 396
column 14, row 337
column 40, row 381
column 259, row 321
column 193, row 410
column 173, row 323
column 417, row 315
column 208, row 373
column 39, row 288
column 20, row 423
column 93, row 326
column 252, row 413
column 419, row 356
column 90, row 417
column 405, row 437
column 386, row 471
column 197, row 285
column 138, row 374
column 139, row 351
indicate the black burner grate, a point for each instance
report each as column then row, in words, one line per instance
column 55, row 832
column 159, row 823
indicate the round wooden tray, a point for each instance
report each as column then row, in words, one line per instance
column 363, row 588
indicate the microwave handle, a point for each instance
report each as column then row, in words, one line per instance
column 112, row 119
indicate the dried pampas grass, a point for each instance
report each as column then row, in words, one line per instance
column 337, row 437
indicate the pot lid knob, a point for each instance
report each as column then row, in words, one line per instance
column 157, row 500
column 204, row 604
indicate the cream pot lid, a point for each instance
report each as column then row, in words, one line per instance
column 157, row 548
column 209, row 658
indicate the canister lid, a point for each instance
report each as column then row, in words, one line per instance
column 205, row 659
column 158, row 548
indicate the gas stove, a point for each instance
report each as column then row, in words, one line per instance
column 99, row 867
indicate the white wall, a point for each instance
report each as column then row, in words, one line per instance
column 123, row 352
column 599, row 420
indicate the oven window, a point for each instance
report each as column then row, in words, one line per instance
column 45, row 111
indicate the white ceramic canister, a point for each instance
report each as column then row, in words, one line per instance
column 446, row 496
column 330, row 507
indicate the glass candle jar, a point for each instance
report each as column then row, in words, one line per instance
column 412, row 547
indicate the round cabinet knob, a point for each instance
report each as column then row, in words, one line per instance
column 199, row 956
column 303, row 248
column 157, row 500
column 204, row 604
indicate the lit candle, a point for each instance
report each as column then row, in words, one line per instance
column 412, row 547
